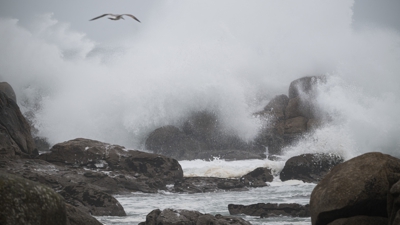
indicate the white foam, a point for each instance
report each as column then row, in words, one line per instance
column 226, row 169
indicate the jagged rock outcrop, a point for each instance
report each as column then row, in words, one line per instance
column 366, row 185
column 181, row 216
column 290, row 117
column 270, row 210
column 309, row 167
column 15, row 136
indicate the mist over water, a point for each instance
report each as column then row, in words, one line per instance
column 229, row 57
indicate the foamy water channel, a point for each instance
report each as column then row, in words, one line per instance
column 138, row 205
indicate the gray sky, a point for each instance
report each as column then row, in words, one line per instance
column 77, row 13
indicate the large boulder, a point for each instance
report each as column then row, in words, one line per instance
column 394, row 204
column 181, row 216
column 26, row 202
column 358, row 187
column 270, row 210
column 76, row 216
column 362, row 220
column 15, row 135
column 92, row 201
column 101, row 156
column 258, row 177
column 309, row 167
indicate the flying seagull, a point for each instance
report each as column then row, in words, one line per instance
column 116, row 16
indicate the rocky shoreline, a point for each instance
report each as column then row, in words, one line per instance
column 76, row 180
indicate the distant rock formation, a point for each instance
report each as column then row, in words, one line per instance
column 290, row 117
column 181, row 216
column 202, row 137
column 367, row 185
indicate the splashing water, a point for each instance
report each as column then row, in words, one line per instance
column 231, row 62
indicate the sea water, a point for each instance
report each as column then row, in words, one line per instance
column 232, row 62
column 137, row 205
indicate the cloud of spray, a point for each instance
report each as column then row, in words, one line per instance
column 226, row 56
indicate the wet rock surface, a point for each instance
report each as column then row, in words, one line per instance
column 181, row 216
column 92, row 201
column 309, row 168
column 208, row 184
column 114, row 169
column 364, row 220
column 76, row 216
column 26, row 202
column 258, row 177
column 270, row 210
column 364, row 185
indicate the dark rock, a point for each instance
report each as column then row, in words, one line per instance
column 228, row 220
column 26, row 202
column 183, row 217
column 359, row 186
column 85, row 153
column 309, row 167
column 258, row 177
column 15, row 136
column 270, row 210
column 208, row 184
column 393, row 205
column 92, row 201
column 362, row 220
column 76, row 216
column 8, row 90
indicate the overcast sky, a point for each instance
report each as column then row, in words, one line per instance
column 77, row 14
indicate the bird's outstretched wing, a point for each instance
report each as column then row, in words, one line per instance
column 132, row 16
column 107, row 14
